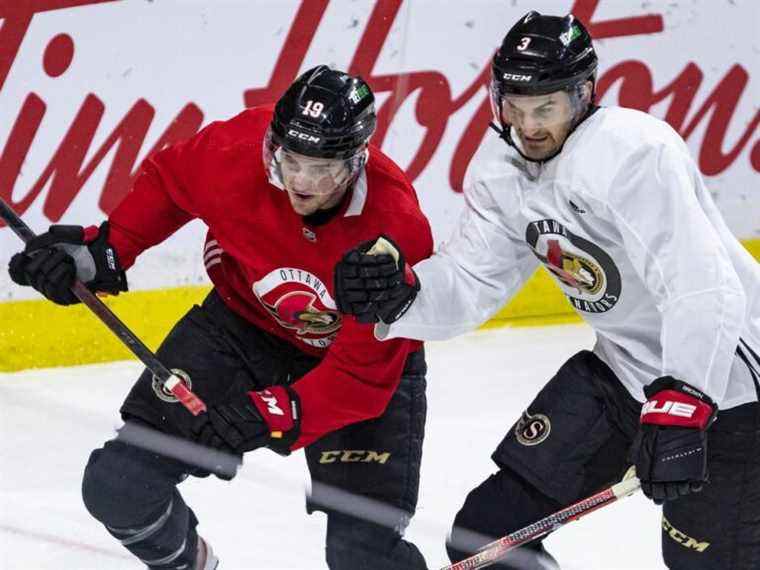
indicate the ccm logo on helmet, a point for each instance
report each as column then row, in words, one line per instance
column 679, row 409
column 516, row 77
column 303, row 136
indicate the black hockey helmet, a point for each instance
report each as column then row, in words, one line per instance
column 542, row 54
column 325, row 113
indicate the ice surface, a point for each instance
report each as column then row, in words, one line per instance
column 478, row 384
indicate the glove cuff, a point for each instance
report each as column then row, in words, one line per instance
column 674, row 403
column 110, row 276
column 280, row 408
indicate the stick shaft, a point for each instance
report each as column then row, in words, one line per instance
column 496, row 550
column 188, row 399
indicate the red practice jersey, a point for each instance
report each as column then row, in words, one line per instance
column 274, row 269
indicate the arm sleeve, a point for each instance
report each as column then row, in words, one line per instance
column 354, row 382
column 472, row 276
column 160, row 201
column 677, row 253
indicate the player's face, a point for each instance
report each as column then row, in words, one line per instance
column 313, row 183
column 541, row 122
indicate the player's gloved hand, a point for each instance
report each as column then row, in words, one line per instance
column 249, row 420
column 670, row 450
column 373, row 282
column 51, row 261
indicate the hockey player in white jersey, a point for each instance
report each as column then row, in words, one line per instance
column 611, row 203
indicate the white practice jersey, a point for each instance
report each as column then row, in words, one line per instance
column 622, row 220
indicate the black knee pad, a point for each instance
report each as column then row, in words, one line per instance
column 124, row 485
column 355, row 544
column 133, row 493
column 502, row 504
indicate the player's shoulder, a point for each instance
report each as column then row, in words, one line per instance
column 492, row 159
column 392, row 208
column 494, row 167
column 389, row 190
column 623, row 132
column 613, row 146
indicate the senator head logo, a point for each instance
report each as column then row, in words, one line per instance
column 299, row 301
column 585, row 272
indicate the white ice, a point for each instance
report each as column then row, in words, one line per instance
column 477, row 386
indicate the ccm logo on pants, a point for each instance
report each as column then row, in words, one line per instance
column 683, row 539
column 354, row 456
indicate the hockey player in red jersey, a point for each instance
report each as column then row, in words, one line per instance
column 284, row 191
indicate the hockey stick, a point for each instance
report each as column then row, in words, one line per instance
column 494, row 551
column 170, row 380
column 362, row 507
column 221, row 463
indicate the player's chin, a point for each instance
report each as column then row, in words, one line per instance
column 535, row 155
column 539, row 150
column 303, row 204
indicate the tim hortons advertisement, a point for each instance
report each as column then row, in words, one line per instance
column 89, row 88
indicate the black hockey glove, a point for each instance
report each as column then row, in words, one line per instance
column 51, row 261
column 373, row 282
column 250, row 420
column 670, row 450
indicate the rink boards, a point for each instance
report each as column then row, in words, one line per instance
column 39, row 334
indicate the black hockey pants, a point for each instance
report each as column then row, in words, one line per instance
column 574, row 439
column 134, row 492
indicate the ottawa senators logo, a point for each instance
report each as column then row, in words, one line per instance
column 588, row 276
column 299, row 301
